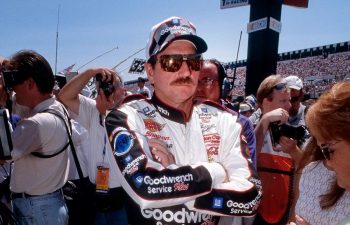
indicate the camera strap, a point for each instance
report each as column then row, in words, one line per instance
column 70, row 143
column 40, row 154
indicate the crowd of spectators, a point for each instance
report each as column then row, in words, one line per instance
column 314, row 71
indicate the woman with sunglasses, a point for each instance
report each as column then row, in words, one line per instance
column 329, row 122
column 324, row 203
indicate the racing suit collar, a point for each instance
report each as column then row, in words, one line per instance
column 169, row 112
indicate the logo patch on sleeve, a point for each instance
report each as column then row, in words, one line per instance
column 123, row 142
column 138, row 180
column 218, row 202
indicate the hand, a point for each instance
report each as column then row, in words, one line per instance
column 300, row 220
column 160, row 152
column 288, row 145
column 279, row 114
column 103, row 103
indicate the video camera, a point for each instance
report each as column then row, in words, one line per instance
column 297, row 133
column 107, row 86
column 11, row 78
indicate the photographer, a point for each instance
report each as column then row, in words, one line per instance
column 39, row 152
column 90, row 114
column 276, row 159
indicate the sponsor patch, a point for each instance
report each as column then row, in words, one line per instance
column 138, row 180
column 148, row 112
column 127, row 159
column 218, row 202
column 152, row 125
column 133, row 166
column 207, row 127
column 163, row 111
column 157, row 136
column 212, row 139
column 146, row 109
column 178, row 216
column 181, row 187
column 123, row 142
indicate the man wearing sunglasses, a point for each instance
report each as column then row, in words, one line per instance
column 210, row 85
column 297, row 109
column 275, row 160
column 193, row 170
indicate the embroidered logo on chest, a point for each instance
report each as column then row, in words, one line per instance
column 152, row 125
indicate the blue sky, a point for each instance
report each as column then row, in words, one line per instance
column 90, row 28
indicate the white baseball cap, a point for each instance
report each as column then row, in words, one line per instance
column 294, row 82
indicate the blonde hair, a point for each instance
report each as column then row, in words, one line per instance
column 329, row 117
column 266, row 87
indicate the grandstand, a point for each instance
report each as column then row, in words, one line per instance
column 319, row 67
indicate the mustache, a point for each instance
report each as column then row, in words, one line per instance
column 186, row 80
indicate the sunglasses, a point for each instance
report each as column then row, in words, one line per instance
column 278, row 87
column 173, row 63
column 326, row 150
column 207, row 82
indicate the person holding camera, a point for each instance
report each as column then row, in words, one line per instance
column 198, row 171
column 40, row 141
column 90, row 114
column 276, row 159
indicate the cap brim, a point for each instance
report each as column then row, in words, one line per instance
column 200, row 44
column 294, row 87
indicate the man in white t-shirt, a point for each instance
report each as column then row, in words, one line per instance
column 143, row 90
column 90, row 114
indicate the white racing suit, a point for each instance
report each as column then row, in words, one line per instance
column 206, row 147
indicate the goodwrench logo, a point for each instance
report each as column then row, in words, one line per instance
column 184, row 216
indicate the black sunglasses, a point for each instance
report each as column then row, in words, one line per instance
column 327, row 152
column 278, row 87
column 173, row 63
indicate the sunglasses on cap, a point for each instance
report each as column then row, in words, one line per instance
column 173, row 63
column 326, row 150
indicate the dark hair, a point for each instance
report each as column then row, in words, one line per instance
column 34, row 65
column 313, row 153
column 141, row 79
column 221, row 72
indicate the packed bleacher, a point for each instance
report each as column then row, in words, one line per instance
column 318, row 72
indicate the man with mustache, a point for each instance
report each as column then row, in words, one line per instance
column 180, row 162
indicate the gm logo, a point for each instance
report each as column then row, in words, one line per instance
column 127, row 159
column 138, row 180
column 146, row 109
column 205, row 110
column 218, row 202
column 123, row 142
